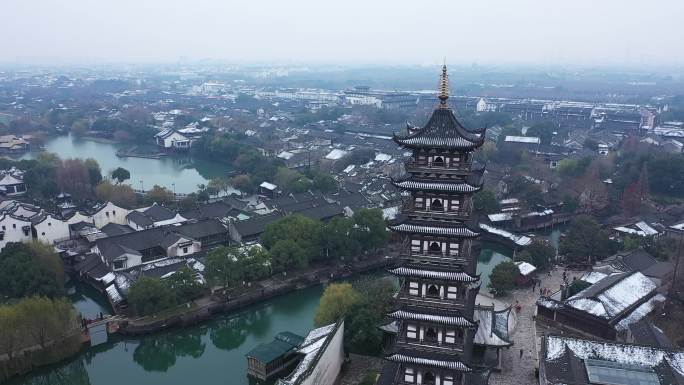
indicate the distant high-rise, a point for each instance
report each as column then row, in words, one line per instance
column 436, row 300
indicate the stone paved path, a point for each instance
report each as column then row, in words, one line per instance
column 357, row 367
column 519, row 370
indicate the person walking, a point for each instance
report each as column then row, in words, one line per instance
column 521, row 353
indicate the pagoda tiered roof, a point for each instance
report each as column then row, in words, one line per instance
column 456, row 276
column 447, row 229
column 442, row 131
column 429, row 359
column 418, row 184
column 442, row 317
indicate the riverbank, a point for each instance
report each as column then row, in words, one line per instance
column 205, row 308
column 220, row 310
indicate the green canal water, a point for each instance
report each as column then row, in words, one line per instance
column 184, row 171
column 210, row 353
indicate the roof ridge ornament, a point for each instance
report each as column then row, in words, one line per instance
column 443, row 87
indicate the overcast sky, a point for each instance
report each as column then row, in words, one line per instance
column 585, row 32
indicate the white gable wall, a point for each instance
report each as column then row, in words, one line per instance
column 51, row 229
column 110, row 213
column 183, row 248
column 13, row 229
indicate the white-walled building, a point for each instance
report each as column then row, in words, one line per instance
column 49, row 229
column 172, row 139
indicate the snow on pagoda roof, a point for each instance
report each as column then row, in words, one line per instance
column 437, row 230
column 445, row 275
column 439, row 319
column 445, row 364
column 439, row 186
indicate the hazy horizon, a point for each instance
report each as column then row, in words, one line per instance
column 383, row 32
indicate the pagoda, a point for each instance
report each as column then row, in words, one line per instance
column 433, row 313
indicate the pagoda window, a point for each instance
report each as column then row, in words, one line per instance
column 438, row 161
column 413, row 288
column 433, row 291
column 412, row 332
column 448, row 380
column 429, row 378
column 436, row 205
column 450, row 337
column 419, row 203
column 452, row 292
column 453, row 248
column 454, row 205
column 409, row 375
column 435, row 248
column 416, row 245
column 431, row 335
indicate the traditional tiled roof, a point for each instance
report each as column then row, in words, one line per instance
column 443, row 131
column 455, row 230
column 450, row 363
column 457, row 276
column 442, row 186
column 443, row 318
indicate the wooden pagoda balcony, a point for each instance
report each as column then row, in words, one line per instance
column 435, row 257
column 404, row 298
column 413, row 166
column 462, row 215
column 430, row 345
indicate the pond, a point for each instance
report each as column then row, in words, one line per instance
column 183, row 171
column 210, row 353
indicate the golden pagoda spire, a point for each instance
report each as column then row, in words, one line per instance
column 443, row 87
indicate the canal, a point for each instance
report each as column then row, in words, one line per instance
column 186, row 172
column 210, row 353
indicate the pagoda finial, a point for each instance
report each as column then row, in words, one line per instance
column 443, row 86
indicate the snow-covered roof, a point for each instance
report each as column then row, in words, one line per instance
column 616, row 298
column 349, row 168
column 614, row 352
column 509, row 201
column 383, row 157
column 439, row 319
column 522, row 139
column 268, row 186
column 520, row 240
column 311, row 349
column 678, row 226
column 593, row 277
column 285, row 155
column 336, row 154
column 500, row 217
column 640, row 312
column 525, row 268
column 425, row 229
column 444, row 364
column 445, row 275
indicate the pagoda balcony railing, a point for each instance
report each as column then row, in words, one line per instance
column 430, row 345
column 462, row 214
column 437, row 167
column 434, row 256
column 403, row 298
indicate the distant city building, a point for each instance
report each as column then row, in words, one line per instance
column 364, row 96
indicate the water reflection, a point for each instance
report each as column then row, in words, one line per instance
column 73, row 373
column 158, row 354
column 186, row 172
